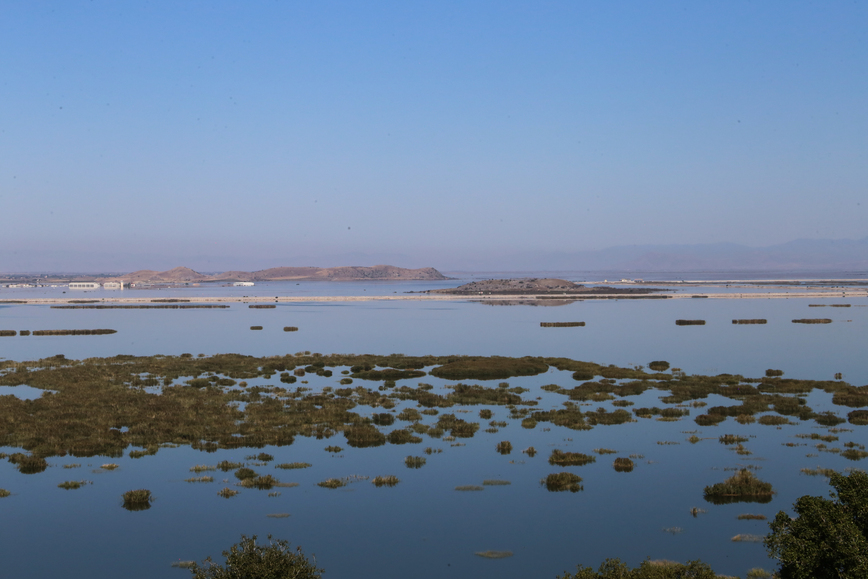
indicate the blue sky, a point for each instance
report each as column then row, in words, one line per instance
column 430, row 129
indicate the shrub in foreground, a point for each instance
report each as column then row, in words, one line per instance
column 827, row 538
column 249, row 560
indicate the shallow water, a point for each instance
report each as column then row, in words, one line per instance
column 423, row 527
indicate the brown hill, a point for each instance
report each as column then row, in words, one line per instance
column 535, row 286
column 377, row 272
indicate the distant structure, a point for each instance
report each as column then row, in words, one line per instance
column 243, row 283
column 83, row 285
column 113, row 285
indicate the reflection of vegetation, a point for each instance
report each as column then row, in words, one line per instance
column 743, row 486
column 226, row 493
column 494, row 554
column 332, row 483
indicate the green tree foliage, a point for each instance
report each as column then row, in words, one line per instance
column 249, row 560
column 615, row 569
column 828, row 538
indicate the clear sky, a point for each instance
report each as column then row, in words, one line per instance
column 429, row 129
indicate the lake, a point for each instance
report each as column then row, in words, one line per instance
column 423, row 527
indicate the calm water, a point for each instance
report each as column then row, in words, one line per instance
column 423, row 527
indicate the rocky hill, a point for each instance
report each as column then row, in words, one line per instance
column 350, row 273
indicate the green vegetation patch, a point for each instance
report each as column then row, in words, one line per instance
column 490, row 368
column 743, row 486
column 563, row 481
column 561, row 458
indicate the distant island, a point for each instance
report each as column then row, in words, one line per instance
column 536, row 286
column 348, row 273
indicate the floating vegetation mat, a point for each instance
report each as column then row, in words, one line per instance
column 96, row 332
column 495, row 483
column 750, row 321
column 262, row 306
column 812, row 321
column 4, row 493
column 277, row 515
column 689, row 322
column 561, row 324
column 469, row 488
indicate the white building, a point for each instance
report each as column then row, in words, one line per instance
column 83, row 285
column 243, row 283
column 113, row 285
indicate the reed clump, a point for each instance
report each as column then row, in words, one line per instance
column 4, row 493
column 263, row 482
column 293, row 465
column 290, row 329
column 385, row 481
column 504, row 447
column 561, row 324
column 255, row 327
column 623, row 464
column 227, row 493
column 415, row 461
column 561, row 458
column 72, row 484
column 563, row 481
column 812, row 321
column 199, row 479
column 137, row 500
column 332, row 483
column 689, row 322
column 96, row 332
column 751, row 321
column 743, row 486
column 731, row 439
